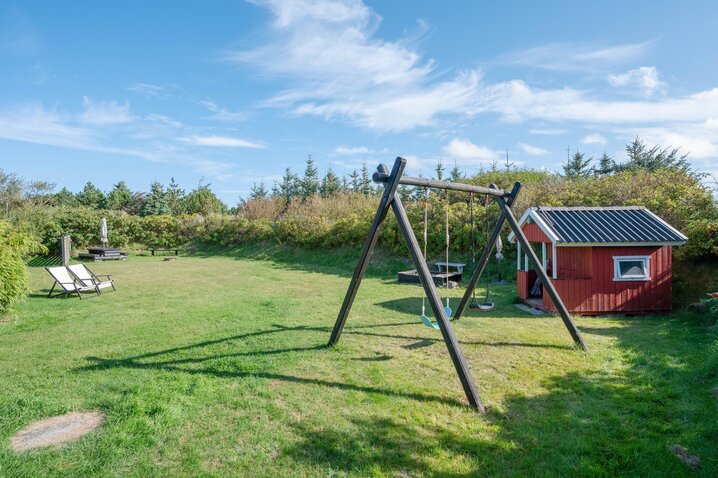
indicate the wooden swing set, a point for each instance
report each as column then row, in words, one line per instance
column 391, row 199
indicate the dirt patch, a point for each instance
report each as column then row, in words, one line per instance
column 681, row 452
column 56, row 430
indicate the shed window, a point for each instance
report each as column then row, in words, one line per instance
column 627, row 268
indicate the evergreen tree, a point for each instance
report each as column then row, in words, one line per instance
column 203, row 201
column 345, row 182
column 439, row 170
column 258, row 191
column 455, row 174
column 330, row 184
column 404, row 192
column 66, row 198
column 606, row 165
column 310, row 182
column 508, row 165
column 365, row 182
column 288, row 187
column 120, row 198
column 155, row 203
column 578, row 166
column 640, row 156
column 91, row 197
column 175, row 198
column 354, row 180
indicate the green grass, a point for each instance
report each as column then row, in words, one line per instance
column 217, row 365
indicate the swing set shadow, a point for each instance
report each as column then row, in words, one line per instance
column 391, row 200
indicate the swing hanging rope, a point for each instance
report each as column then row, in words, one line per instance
column 447, row 309
column 424, row 318
column 473, row 304
column 487, row 304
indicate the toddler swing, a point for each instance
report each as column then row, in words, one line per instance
column 447, row 308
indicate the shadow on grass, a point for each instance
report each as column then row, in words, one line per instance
column 597, row 423
column 613, row 420
column 176, row 365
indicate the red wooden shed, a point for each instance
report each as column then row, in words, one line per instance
column 602, row 260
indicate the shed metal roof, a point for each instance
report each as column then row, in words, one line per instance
column 603, row 225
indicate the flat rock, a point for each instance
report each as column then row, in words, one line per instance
column 691, row 461
column 56, row 430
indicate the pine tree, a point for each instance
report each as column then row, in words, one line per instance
column 640, row 156
column 365, row 183
column 91, row 197
column 288, row 186
column 345, row 182
column 330, row 184
column 354, row 180
column 439, row 170
column 310, row 182
column 175, row 198
column 456, row 174
column 508, row 165
column 66, row 198
column 120, row 198
column 258, row 191
column 203, row 201
column 578, row 166
column 606, row 165
column 156, row 203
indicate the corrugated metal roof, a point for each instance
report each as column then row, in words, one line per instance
column 620, row 225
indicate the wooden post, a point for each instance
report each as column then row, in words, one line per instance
column 485, row 255
column 545, row 280
column 390, row 188
column 65, row 249
column 457, row 357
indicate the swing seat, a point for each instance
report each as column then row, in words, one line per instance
column 448, row 311
column 427, row 321
column 486, row 306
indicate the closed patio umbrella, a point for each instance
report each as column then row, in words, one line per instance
column 103, row 232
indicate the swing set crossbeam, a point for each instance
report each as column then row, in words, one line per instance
column 439, row 184
column 391, row 200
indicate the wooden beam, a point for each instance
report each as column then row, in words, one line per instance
column 457, row 357
column 545, row 280
column 390, row 188
column 437, row 184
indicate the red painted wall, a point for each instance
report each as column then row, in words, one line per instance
column 601, row 294
column 534, row 233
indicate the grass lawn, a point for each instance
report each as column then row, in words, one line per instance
column 217, row 365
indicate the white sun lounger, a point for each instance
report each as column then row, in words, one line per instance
column 87, row 278
column 67, row 283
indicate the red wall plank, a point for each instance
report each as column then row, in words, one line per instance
column 601, row 294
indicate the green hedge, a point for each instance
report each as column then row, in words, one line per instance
column 343, row 220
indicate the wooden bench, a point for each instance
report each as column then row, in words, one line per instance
column 176, row 251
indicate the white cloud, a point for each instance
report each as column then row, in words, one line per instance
column 646, row 79
column 146, row 89
column 105, row 112
column 547, row 131
column 593, row 138
column 223, row 114
column 221, row 142
column 464, row 149
column 350, row 150
column 339, row 69
column 533, row 150
column 572, row 57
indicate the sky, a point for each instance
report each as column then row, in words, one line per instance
column 231, row 93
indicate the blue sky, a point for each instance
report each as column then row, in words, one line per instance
column 233, row 92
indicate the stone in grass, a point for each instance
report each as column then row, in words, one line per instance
column 681, row 452
column 56, row 430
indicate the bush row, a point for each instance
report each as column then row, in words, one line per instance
column 343, row 220
column 14, row 247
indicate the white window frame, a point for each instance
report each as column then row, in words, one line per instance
column 617, row 270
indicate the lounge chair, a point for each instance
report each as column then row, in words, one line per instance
column 87, row 278
column 67, row 283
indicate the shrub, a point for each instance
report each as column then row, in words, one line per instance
column 14, row 246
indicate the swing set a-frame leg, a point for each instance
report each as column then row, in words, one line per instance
column 389, row 190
